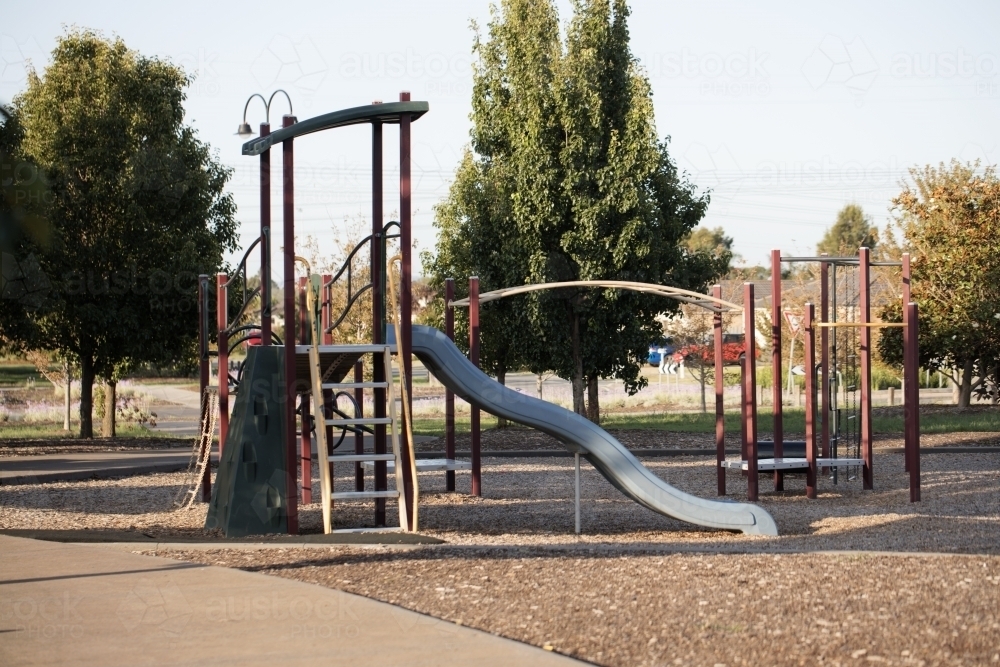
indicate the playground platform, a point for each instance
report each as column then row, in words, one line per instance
column 87, row 605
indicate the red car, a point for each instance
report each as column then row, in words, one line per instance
column 732, row 349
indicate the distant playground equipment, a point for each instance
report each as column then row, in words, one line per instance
column 268, row 440
column 842, row 378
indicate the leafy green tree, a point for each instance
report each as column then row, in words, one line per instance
column 949, row 219
column 138, row 208
column 852, row 230
column 568, row 174
column 709, row 240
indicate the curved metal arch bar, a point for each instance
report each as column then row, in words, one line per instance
column 250, row 327
column 687, row 296
column 383, row 113
column 246, row 304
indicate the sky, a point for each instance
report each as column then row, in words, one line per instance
column 785, row 111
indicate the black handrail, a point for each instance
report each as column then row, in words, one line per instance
column 352, row 295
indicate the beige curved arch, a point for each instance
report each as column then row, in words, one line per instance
column 686, row 296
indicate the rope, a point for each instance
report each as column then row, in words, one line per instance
column 201, row 450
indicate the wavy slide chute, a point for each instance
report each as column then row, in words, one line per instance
column 577, row 434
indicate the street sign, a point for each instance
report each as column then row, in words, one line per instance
column 794, row 321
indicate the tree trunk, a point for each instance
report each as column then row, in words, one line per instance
column 86, row 396
column 68, row 397
column 579, row 406
column 502, row 379
column 110, row 402
column 965, row 390
column 593, row 400
column 702, row 378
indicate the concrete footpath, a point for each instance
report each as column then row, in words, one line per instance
column 86, row 605
column 55, row 467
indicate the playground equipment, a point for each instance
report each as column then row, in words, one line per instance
column 845, row 385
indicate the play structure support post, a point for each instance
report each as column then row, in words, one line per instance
column 222, row 321
column 776, row 385
column 864, row 278
column 305, row 430
column 576, row 502
column 750, row 345
column 906, row 406
column 810, row 364
column 449, row 396
column 288, row 241
column 911, row 359
column 744, row 446
column 265, row 241
column 474, row 358
column 720, row 414
column 824, row 347
column 204, row 372
column 378, row 325
column 406, row 298
column 359, row 436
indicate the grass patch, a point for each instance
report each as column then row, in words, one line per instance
column 17, row 375
column 933, row 419
column 20, row 431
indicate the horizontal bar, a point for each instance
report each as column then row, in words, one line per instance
column 361, row 495
column 869, row 325
column 837, row 260
column 356, row 385
column 359, row 421
column 344, row 349
column 432, row 465
column 791, row 464
column 360, row 458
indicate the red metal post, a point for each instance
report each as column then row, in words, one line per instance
column 907, row 434
column 222, row 321
column 378, row 302
column 750, row 345
column 449, row 396
column 265, row 244
column 305, row 465
column 824, row 351
column 810, row 364
column 720, row 413
column 359, row 436
column 288, row 240
column 912, row 358
column 477, row 489
column 864, row 278
column 744, row 411
column 405, row 289
column 204, row 372
column 776, row 384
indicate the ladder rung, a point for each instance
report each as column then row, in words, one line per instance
column 356, row 385
column 359, row 421
column 358, row 458
column 361, row 495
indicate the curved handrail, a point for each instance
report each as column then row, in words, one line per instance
column 348, row 267
column 686, row 296
column 241, row 269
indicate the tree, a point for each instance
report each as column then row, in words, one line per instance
column 852, row 230
column 709, row 240
column 578, row 187
column 949, row 218
column 137, row 208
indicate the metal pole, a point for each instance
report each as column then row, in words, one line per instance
column 720, row 414
column 378, row 325
column 810, row 364
column 204, row 372
column 776, row 388
column 750, row 345
column 304, row 428
column 576, row 455
column 288, row 215
column 222, row 321
column 265, row 243
column 449, row 397
column 744, row 409
column 406, row 295
column 824, row 351
column 864, row 278
column 359, row 436
column 474, row 358
column 912, row 356
column 907, row 434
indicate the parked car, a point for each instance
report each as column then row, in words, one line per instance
column 732, row 349
column 658, row 349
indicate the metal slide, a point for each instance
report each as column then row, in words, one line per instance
column 577, row 434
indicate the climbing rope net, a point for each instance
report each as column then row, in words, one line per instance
column 201, row 450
